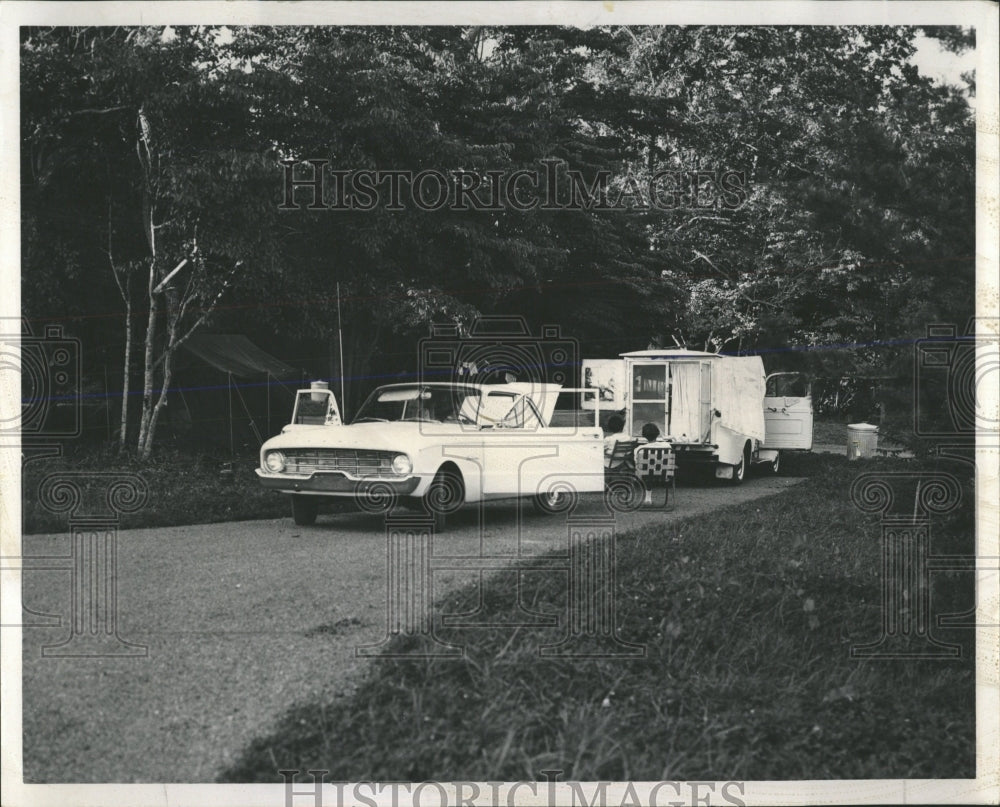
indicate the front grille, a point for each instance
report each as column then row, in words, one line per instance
column 353, row 462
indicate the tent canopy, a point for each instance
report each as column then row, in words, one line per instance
column 234, row 353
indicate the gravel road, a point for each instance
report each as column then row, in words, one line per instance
column 241, row 620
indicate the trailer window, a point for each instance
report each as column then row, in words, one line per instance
column 649, row 397
column 649, row 382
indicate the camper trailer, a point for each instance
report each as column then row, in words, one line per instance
column 719, row 412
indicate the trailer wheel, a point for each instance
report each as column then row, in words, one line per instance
column 776, row 464
column 740, row 470
column 304, row 510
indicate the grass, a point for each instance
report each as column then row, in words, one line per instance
column 747, row 618
column 829, row 432
column 183, row 488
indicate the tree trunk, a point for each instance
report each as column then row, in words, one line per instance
column 149, row 367
column 173, row 312
column 122, row 437
column 161, row 401
column 149, row 227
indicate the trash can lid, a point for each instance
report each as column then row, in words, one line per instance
column 862, row 427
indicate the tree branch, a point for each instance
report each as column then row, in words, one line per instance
column 74, row 113
column 204, row 315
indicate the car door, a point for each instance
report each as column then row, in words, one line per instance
column 316, row 407
column 513, row 441
column 788, row 412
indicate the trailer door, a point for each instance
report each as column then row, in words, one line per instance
column 788, row 412
column 650, row 395
column 690, row 395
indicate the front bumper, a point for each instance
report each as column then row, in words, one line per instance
column 335, row 483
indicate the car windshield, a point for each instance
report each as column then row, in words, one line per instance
column 414, row 402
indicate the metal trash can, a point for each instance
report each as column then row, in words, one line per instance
column 862, row 440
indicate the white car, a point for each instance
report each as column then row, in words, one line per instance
column 434, row 446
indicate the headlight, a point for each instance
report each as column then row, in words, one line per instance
column 401, row 464
column 274, row 461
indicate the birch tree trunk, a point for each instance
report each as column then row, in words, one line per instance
column 149, row 367
column 123, row 434
column 168, row 363
column 124, row 281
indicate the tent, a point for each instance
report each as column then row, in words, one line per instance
column 237, row 355
column 250, row 373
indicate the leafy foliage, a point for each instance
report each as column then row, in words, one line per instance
column 854, row 223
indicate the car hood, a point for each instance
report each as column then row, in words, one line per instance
column 406, row 437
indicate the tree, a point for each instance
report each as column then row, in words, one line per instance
column 149, row 150
column 859, row 175
column 186, row 189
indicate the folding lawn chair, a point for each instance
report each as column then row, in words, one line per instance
column 621, row 460
column 657, row 462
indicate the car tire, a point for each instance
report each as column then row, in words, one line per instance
column 444, row 496
column 775, row 466
column 304, row 510
column 740, row 470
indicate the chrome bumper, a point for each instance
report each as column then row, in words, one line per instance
column 334, row 483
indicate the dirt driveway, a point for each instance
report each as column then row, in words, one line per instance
column 241, row 620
